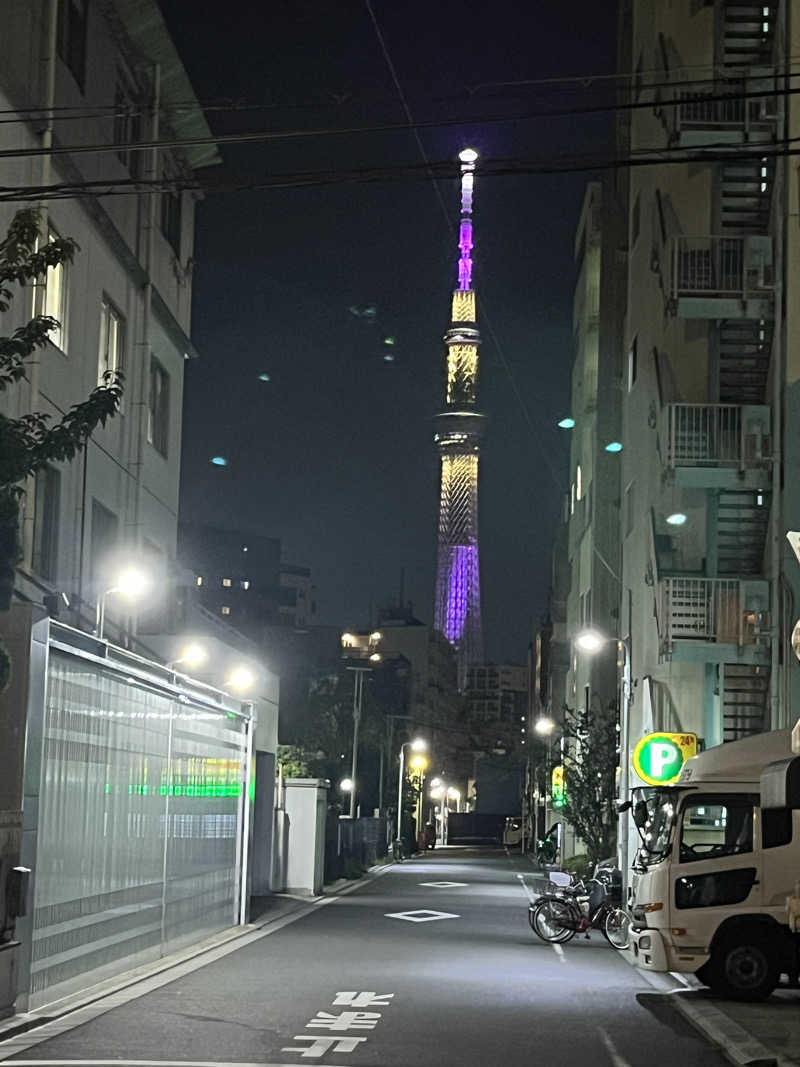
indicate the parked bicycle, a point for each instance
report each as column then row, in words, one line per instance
column 557, row 916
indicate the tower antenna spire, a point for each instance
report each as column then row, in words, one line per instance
column 459, row 431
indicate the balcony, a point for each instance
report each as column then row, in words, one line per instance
column 727, row 114
column 714, row 620
column 717, row 446
column 721, row 277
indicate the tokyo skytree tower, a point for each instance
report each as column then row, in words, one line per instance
column 459, row 429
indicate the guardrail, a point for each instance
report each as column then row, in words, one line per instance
column 715, row 435
column 706, row 609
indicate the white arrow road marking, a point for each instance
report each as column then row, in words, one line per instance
column 445, row 885
column 422, row 915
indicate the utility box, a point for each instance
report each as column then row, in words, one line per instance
column 306, row 809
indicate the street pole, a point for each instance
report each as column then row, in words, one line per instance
column 380, row 778
column 357, row 691
column 624, row 764
column 400, row 792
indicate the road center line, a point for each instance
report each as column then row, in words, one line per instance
column 611, row 1048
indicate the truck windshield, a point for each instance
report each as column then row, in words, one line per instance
column 654, row 815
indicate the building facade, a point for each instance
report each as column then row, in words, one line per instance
column 113, row 76
column 709, row 582
column 497, row 705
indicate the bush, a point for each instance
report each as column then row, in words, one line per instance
column 578, row 865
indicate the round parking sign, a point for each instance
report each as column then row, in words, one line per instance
column 658, row 758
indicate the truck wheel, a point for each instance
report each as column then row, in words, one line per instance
column 744, row 966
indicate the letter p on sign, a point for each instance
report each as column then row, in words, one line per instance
column 658, row 758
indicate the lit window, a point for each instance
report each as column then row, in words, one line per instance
column 578, row 483
column 244, row 548
column 53, row 298
column 225, row 609
column 112, row 341
column 245, row 584
column 227, row 583
column 199, row 580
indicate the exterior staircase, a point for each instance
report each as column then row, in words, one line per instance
column 744, row 700
column 744, row 347
column 745, row 192
column 741, row 533
column 747, row 33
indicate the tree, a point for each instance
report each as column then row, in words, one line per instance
column 30, row 442
column 590, row 766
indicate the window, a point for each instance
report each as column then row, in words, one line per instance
column 776, row 827
column 71, row 37
column 199, row 580
column 227, row 583
column 225, row 609
column 171, row 217
column 633, row 361
column 47, row 503
column 127, row 129
column 636, row 219
column 578, row 483
column 245, row 584
column 104, row 537
column 111, row 358
column 158, row 414
column 630, row 504
column 53, row 298
column 715, row 826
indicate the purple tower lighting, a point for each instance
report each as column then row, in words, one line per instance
column 459, row 429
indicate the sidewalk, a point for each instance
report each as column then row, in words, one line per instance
column 769, row 1030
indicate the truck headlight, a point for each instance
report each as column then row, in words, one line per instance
column 645, row 942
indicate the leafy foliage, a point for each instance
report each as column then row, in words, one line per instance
column 30, row 442
column 590, row 765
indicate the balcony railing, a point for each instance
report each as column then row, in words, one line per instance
column 716, row 610
column 721, row 267
column 728, row 107
column 716, row 435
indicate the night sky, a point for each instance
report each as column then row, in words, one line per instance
column 335, row 454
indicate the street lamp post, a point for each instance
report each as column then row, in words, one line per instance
column 591, row 641
column 131, row 583
column 358, row 694
column 417, row 745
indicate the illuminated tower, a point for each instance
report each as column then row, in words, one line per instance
column 459, row 429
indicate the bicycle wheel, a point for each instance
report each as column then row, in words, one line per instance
column 616, row 927
column 553, row 920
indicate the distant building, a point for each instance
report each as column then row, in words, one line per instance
column 237, row 575
column 296, row 604
column 497, row 701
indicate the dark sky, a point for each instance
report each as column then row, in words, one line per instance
column 335, row 455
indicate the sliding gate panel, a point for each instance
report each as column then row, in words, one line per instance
column 138, row 828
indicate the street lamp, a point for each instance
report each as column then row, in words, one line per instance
column 241, row 678
column 544, row 726
column 419, row 744
column 347, row 785
column 193, row 655
column 132, row 583
column 591, row 641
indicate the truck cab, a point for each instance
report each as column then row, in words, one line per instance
column 719, row 855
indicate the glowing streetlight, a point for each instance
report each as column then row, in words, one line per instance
column 349, row 640
column 677, row 518
column 590, row 641
column 567, row 423
column 193, row 655
column 468, row 155
column 347, row 785
column 544, row 726
column 376, row 657
column 241, row 678
column 375, row 637
column 131, row 583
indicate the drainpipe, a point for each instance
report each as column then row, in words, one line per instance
column 47, row 63
column 778, row 375
column 143, row 347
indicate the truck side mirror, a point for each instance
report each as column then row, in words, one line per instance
column 17, row 891
column 623, row 806
column 640, row 814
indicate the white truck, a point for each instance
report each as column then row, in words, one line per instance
column 719, row 856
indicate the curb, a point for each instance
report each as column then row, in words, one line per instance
column 736, row 1044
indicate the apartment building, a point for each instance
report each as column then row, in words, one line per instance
column 110, row 76
column 709, row 459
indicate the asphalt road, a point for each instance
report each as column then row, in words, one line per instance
column 350, row 985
